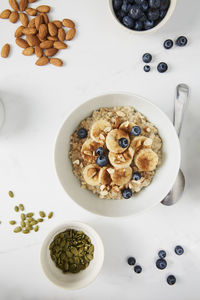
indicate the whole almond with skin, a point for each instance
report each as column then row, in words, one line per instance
column 53, row 31
column 56, row 62
column 5, row 51
column 61, row 34
column 21, row 43
column 51, row 52
column 19, row 31
column 38, row 21
column 23, row 4
column 31, row 24
column 31, row 11
column 68, row 23
column 14, row 5
column 32, row 40
column 38, row 51
column 5, row 14
column 42, row 61
column 14, row 17
column 45, row 18
column 41, row 40
column 57, row 23
column 52, row 38
column 70, row 34
column 46, row 44
column 59, row 45
column 43, row 8
column 28, row 51
column 24, row 19
column 43, row 31
column 29, row 30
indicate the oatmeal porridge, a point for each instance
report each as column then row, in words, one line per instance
column 115, row 152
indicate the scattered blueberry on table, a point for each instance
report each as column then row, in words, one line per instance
column 147, row 68
column 100, row 151
column 123, row 142
column 102, row 161
column 82, row 133
column 127, row 193
column 161, row 264
column 138, row 269
column 179, row 250
column 168, row 44
column 135, row 130
column 171, row 279
column 147, row 57
column 162, row 254
column 136, row 176
column 162, row 67
column 131, row 261
column 181, row 41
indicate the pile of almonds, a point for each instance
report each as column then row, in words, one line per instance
column 38, row 35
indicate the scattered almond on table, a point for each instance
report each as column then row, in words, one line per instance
column 37, row 34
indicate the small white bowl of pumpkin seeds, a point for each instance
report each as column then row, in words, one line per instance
column 72, row 255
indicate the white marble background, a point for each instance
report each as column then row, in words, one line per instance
column 101, row 59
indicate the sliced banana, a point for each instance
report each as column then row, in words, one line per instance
column 88, row 150
column 121, row 176
column 104, row 176
column 140, row 142
column 91, row 174
column 127, row 126
column 112, row 140
column 121, row 160
column 146, row 160
column 99, row 131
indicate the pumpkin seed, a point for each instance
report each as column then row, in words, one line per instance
column 29, row 215
column 16, row 208
column 23, row 224
column 25, row 231
column 11, row 194
column 23, row 217
column 36, row 228
column 12, row 222
column 21, row 207
column 17, row 229
column 42, row 214
column 50, row 215
column 34, row 222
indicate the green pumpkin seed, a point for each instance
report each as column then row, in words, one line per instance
column 36, row 228
column 29, row 215
column 17, row 229
column 11, row 194
column 23, row 224
column 16, row 208
column 23, row 217
column 33, row 222
column 42, row 214
column 50, row 215
column 12, row 222
column 21, row 207
column 29, row 228
column 25, row 231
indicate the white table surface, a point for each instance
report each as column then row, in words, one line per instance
column 102, row 58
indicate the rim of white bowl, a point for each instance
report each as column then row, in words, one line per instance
column 170, row 12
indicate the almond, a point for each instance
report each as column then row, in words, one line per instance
column 46, row 44
column 53, row 31
column 29, row 31
column 56, row 62
column 23, row 4
column 21, row 43
column 70, row 34
column 57, row 23
column 43, row 8
column 19, row 31
column 14, row 16
column 52, row 38
column 42, row 61
column 50, row 52
column 24, row 19
column 45, row 18
column 41, row 40
column 38, row 51
column 31, row 11
column 59, row 45
column 5, row 14
column 32, row 23
column 5, row 51
column 14, row 5
column 61, row 34
column 32, row 40
column 28, row 51
column 68, row 23
column 38, row 21
column 43, row 31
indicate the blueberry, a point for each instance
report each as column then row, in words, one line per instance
column 153, row 14
column 148, row 24
column 161, row 263
column 139, row 2
column 168, row 44
column 147, row 68
column 131, row 261
column 171, row 279
column 181, row 41
column 147, row 57
column 102, row 161
column 138, row 25
column 162, row 67
column 120, row 14
column 144, row 6
column 117, row 4
column 100, row 151
column 179, row 250
column 127, row 193
column 154, row 3
column 136, row 176
column 162, row 253
column 135, row 12
column 143, row 18
column 123, row 142
column 162, row 13
column 135, row 130
column 125, row 7
column 128, row 22
column 138, row 269
column 82, row 133
column 164, row 4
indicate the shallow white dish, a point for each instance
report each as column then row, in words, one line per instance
column 148, row 197
column 157, row 27
column 68, row 280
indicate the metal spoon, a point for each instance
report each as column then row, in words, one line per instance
column 181, row 98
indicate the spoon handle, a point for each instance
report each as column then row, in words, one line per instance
column 181, row 98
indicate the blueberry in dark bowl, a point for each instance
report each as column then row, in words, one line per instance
column 131, row 261
column 179, row 250
column 100, row 151
column 163, row 13
column 138, row 25
column 168, row 44
column 164, row 4
column 117, row 4
column 136, row 176
column 162, row 254
column 154, row 3
column 128, row 22
column 153, row 14
column 127, row 193
column 82, row 133
column 138, row 269
column 135, row 130
column 102, row 161
column 162, row 67
column 135, row 12
column 126, row 7
column 171, row 279
column 123, row 142
column 144, row 6
column 161, row 264
column 139, row 2
column 181, row 41
column 147, row 68
column 147, row 57
column 148, row 24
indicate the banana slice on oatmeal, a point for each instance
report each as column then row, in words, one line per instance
column 112, row 140
column 141, row 142
column 88, row 151
column 121, row 160
column 104, row 176
column 99, row 131
column 146, row 160
column 91, row 174
column 127, row 126
column 121, row 176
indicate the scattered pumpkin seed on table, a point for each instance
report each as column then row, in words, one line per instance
column 17, row 229
column 16, row 208
column 42, row 214
column 12, row 222
column 11, row 194
column 21, row 207
column 50, row 215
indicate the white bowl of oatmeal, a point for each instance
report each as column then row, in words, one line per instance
column 141, row 166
